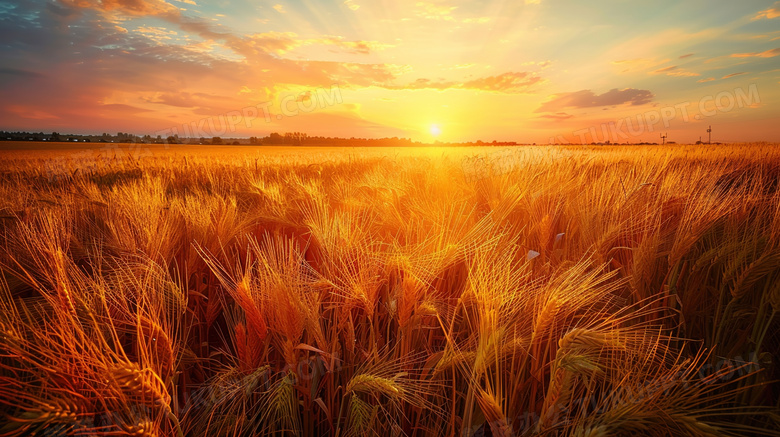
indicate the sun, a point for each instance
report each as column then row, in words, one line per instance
column 435, row 130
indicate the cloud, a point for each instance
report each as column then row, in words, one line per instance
column 710, row 79
column 772, row 12
column 664, row 70
column 675, row 71
column 304, row 97
column 347, row 73
column 128, row 7
column 264, row 43
column 114, row 9
column 157, row 31
column 766, row 54
column 280, row 43
column 443, row 12
column 639, row 64
column 158, row 34
column 636, row 61
column 686, row 56
column 683, row 73
column 250, row 45
column 122, row 109
column 355, row 47
column 433, row 11
column 540, row 64
column 557, row 116
column 509, row 83
column 107, row 76
column 588, row 99
column 264, row 50
column 183, row 99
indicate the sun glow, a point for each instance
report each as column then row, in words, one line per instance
column 435, row 130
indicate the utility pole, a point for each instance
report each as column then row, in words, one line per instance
column 663, row 137
column 709, row 135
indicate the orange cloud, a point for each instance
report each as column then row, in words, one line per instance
column 128, row 7
column 511, row 82
column 507, row 82
column 264, row 49
column 433, row 11
column 675, row 71
column 664, row 70
column 184, row 99
column 767, row 54
column 770, row 13
column 279, row 43
column 588, row 99
column 557, row 116
column 443, row 12
column 683, row 73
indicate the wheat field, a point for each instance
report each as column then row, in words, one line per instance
column 551, row 290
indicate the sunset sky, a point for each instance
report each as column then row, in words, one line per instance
column 528, row 71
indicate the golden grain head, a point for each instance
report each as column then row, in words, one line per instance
column 572, row 290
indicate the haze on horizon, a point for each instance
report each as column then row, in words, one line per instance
column 452, row 70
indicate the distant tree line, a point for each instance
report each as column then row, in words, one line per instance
column 120, row 137
column 289, row 138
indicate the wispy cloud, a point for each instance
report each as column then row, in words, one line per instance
column 665, row 70
column 283, row 42
column 352, row 5
column 675, row 71
column 433, row 11
column 766, row 54
column 557, row 116
column 509, row 83
column 772, row 12
column 589, row 99
column 638, row 64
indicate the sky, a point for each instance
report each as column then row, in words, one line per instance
column 542, row 71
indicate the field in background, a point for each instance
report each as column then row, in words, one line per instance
column 585, row 291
